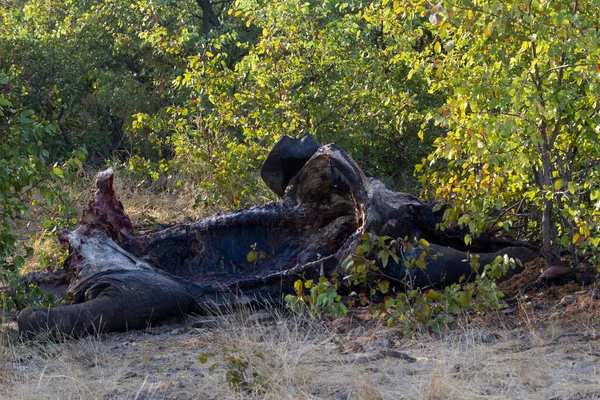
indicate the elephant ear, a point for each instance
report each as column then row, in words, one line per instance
column 285, row 160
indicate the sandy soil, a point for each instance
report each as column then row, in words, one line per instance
column 539, row 347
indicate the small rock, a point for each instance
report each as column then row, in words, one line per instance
column 177, row 331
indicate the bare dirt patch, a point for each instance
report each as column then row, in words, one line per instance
column 532, row 352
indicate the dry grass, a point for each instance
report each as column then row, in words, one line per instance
column 298, row 358
column 146, row 206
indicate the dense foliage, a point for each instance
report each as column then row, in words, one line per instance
column 521, row 112
column 28, row 179
column 494, row 102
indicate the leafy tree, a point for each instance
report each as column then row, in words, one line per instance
column 289, row 68
column 90, row 65
column 26, row 175
column 521, row 87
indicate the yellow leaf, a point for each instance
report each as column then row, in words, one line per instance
column 524, row 46
column 230, row 11
column 298, row 286
column 265, row 32
column 420, row 134
column 438, row 71
column 576, row 238
column 558, row 184
column 308, row 284
column 437, row 47
column 252, row 256
column 571, row 188
column 470, row 14
column 208, row 53
column 433, row 295
column 489, row 28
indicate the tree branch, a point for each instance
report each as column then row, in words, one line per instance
column 209, row 19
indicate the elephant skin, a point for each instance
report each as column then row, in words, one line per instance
column 123, row 280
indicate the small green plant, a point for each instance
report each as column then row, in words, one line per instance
column 417, row 309
column 255, row 255
column 16, row 292
column 323, row 297
column 408, row 308
column 240, row 368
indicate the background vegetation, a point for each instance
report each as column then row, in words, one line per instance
column 493, row 105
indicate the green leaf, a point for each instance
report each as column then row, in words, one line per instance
column 58, row 172
column 468, row 239
column 421, row 263
column 18, row 262
column 464, row 299
column 203, row 358
column 558, row 184
column 384, row 256
column 390, row 302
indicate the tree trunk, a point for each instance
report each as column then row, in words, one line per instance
column 209, row 19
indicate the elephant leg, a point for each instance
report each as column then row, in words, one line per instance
column 446, row 265
column 453, row 266
column 114, row 301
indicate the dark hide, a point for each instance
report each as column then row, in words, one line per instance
column 285, row 160
column 123, row 280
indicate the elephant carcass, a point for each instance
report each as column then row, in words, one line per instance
column 123, row 280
